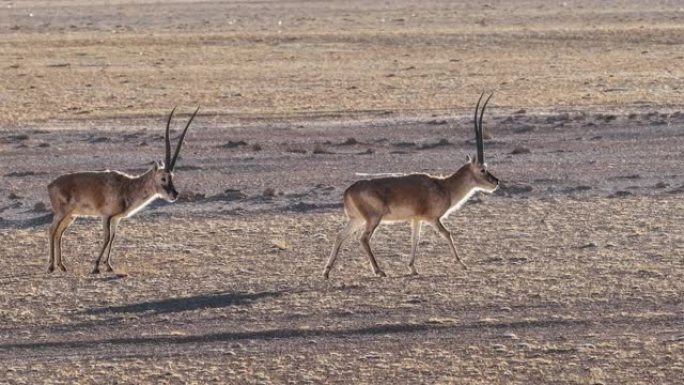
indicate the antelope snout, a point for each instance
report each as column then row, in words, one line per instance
column 173, row 195
column 170, row 194
column 495, row 181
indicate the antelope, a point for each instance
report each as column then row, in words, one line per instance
column 416, row 198
column 110, row 195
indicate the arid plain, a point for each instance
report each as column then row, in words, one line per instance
column 576, row 264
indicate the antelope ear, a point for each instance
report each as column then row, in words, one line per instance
column 155, row 166
column 469, row 159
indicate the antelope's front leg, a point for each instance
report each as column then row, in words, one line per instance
column 447, row 235
column 114, row 226
column 106, row 223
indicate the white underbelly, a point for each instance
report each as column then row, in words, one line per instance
column 399, row 214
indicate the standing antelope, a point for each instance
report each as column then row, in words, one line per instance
column 111, row 195
column 416, row 198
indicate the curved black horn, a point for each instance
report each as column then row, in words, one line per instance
column 480, row 145
column 180, row 141
column 167, row 157
column 478, row 134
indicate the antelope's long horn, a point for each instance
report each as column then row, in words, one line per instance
column 180, row 141
column 167, row 141
column 480, row 145
column 478, row 133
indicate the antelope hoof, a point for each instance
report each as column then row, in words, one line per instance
column 380, row 273
column 51, row 268
column 109, row 269
column 96, row 270
column 326, row 273
column 414, row 272
column 62, row 267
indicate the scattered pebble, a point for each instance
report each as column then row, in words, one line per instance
column 349, row 142
column 520, row 150
column 232, row 144
column 39, row 207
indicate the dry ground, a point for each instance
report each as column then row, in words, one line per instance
column 576, row 264
column 80, row 61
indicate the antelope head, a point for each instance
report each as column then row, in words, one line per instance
column 477, row 167
column 163, row 174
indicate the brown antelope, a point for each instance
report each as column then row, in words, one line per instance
column 416, row 198
column 111, row 195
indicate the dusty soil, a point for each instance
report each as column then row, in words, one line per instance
column 576, row 263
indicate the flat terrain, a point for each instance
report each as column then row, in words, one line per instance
column 576, row 264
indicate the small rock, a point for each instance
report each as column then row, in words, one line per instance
column 15, row 138
column 231, row 144
column 349, row 142
column 441, row 143
column 318, row 149
column 404, row 144
column 39, row 207
column 620, row 193
column 520, row 150
column 13, row 196
column 269, row 192
column 99, row 139
column 233, row 194
column 523, row 128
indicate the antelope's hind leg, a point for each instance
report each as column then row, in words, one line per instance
column 351, row 227
column 106, row 224
column 371, row 225
column 113, row 227
column 415, row 238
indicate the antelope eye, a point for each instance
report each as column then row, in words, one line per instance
column 483, row 171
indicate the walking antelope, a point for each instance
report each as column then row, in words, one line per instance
column 416, row 198
column 111, row 195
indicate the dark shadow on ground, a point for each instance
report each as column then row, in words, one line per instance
column 29, row 223
column 474, row 327
column 175, row 305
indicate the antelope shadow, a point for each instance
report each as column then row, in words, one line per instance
column 197, row 302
